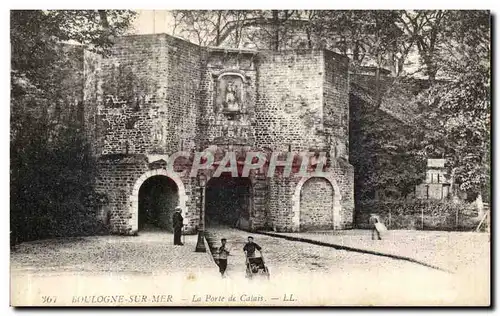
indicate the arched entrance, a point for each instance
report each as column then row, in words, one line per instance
column 228, row 202
column 134, row 196
column 316, row 204
column 158, row 197
column 301, row 204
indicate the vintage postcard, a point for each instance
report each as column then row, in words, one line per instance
column 250, row 158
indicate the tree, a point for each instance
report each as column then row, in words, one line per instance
column 382, row 155
column 213, row 27
column 51, row 180
column 368, row 38
column 235, row 27
column 35, row 34
column 457, row 111
column 363, row 36
column 383, row 141
column 460, row 114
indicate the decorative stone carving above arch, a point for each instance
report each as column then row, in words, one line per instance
column 231, row 92
column 231, row 72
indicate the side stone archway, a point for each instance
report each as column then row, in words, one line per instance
column 158, row 197
column 134, row 197
column 304, row 197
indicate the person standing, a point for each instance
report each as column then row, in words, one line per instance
column 223, row 252
column 250, row 247
column 178, row 222
column 377, row 226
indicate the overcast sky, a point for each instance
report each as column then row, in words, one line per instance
column 152, row 21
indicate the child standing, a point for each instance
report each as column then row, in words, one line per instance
column 223, row 252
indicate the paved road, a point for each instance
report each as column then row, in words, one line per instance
column 150, row 265
column 283, row 255
column 460, row 252
column 353, row 277
column 149, row 253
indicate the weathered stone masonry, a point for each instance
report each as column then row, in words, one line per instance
column 155, row 95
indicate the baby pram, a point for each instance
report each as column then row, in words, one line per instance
column 256, row 267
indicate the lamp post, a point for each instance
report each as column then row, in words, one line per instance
column 200, row 245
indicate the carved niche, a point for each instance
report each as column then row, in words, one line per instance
column 157, row 133
column 158, row 136
column 230, row 93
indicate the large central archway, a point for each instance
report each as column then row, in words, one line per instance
column 158, row 197
column 228, row 202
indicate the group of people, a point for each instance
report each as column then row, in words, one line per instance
column 250, row 247
column 223, row 251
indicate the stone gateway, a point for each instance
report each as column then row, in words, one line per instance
column 156, row 95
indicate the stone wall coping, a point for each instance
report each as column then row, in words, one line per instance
column 231, row 50
column 156, row 35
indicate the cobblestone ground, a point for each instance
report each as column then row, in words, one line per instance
column 301, row 274
column 150, row 252
column 283, row 255
column 453, row 251
column 375, row 279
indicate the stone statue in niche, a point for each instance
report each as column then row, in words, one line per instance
column 158, row 133
column 158, row 137
column 230, row 94
column 340, row 150
column 231, row 103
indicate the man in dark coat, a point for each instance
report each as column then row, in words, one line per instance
column 250, row 247
column 249, row 250
column 178, row 222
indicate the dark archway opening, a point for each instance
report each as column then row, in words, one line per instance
column 228, row 202
column 158, row 197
